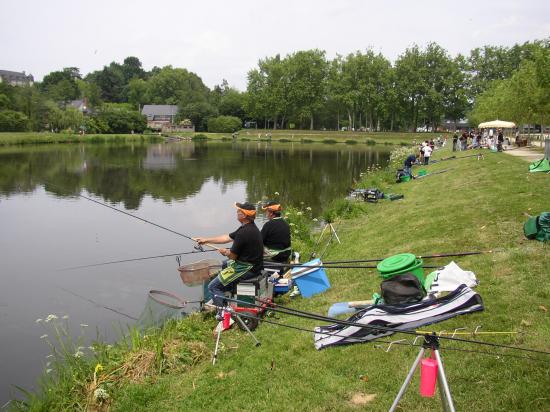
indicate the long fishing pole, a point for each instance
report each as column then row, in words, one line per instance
column 96, row 303
column 307, row 315
column 409, row 344
column 134, row 216
column 275, row 265
column 134, row 260
column 440, row 255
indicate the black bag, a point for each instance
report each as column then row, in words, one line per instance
column 403, row 288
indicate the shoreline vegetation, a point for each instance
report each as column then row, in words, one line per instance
column 475, row 205
column 282, row 136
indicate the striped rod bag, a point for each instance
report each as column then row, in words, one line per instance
column 395, row 318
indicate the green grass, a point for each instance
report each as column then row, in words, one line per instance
column 46, row 138
column 476, row 205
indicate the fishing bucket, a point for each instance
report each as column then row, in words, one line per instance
column 401, row 263
column 194, row 274
column 160, row 307
column 310, row 278
column 422, row 172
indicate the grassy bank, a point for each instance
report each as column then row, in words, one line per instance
column 46, row 138
column 311, row 136
column 475, row 205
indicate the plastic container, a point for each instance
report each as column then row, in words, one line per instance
column 405, row 178
column 401, row 263
column 428, row 377
column 310, row 278
column 422, row 172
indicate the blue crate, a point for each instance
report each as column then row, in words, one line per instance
column 310, row 281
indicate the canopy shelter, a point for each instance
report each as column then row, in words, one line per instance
column 497, row 124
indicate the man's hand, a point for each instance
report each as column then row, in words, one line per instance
column 224, row 251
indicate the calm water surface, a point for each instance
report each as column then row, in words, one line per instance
column 188, row 187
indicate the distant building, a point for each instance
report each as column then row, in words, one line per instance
column 80, row 105
column 163, row 117
column 16, row 78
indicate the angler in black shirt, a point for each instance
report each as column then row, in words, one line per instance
column 275, row 234
column 246, row 254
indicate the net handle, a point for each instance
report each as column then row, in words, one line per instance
column 152, row 294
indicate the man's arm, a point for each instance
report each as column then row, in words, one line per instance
column 215, row 240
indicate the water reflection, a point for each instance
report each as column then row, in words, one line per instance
column 309, row 173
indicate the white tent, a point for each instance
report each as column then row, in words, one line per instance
column 497, row 124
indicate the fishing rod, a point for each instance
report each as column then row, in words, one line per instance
column 134, row 216
column 408, row 344
column 96, row 303
column 133, row 260
column 308, row 315
column 439, row 255
column 275, row 265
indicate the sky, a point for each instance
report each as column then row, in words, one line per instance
column 220, row 39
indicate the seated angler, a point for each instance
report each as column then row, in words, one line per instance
column 246, row 254
column 275, row 234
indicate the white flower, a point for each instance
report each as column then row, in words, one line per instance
column 38, row 320
column 101, row 394
column 315, row 219
column 44, row 336
column 48, row 370
column 276, row 193
column 299, row 213
column 48, row 364
column 49, row 356
column 83, row 325
column 65, row 317
column 292, row 224
column 308, row 209
column 51, row 317
column 78, row 354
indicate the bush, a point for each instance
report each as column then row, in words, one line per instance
column 12, row 121
column 199, row 136
column 224, row 124
column 120, row 119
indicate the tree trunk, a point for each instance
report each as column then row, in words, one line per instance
column 311, row 122
column 275, row 123
column 283, row 122
column 338, row 119
column 349, row 120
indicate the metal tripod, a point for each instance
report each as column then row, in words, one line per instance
column 430, row 342
column 220, row 329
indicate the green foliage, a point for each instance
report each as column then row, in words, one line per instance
column 200, row 136
column 120, row 119
column 198, row 113
column 224, row 124
column 12, row 121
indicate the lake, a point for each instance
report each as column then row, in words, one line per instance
column 189, row 187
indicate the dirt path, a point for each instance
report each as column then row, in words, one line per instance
column 526, row 153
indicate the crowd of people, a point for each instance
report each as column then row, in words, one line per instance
column 475, row 139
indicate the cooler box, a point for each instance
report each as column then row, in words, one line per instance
column 282, row 288
column 310, row 278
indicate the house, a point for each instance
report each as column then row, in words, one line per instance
column 16, row 78
column 80, row 105
column 163, row 117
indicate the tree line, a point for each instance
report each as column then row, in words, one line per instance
column 360, row 91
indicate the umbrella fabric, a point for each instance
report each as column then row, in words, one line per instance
column 497, row 124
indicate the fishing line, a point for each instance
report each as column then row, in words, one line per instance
column 308, row 315
column 126, row 213
column 136, row 259
column 352, row 340
column 435, row 256
column 97, row 304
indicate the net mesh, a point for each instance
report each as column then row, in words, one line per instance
column 160, row 307
column 196, row 273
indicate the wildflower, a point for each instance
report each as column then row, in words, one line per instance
column 299, row 213
column 98, row 368
column 51, row 317
column 49, row 356
column 65, row 317
column 276, row 193
column 44, row 336
column 292, row 224
column 308, row 209
column 38, row 320
column 101, row 394
column 78, row 354
column 83, row 325
column 48, row 370
column 315, row 219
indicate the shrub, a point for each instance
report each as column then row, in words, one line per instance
column 120, row 119
column 12, row 121
column 351, row 141
column 370, row 142
column 224, row 124
column 199, row 136
column 329, row 141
